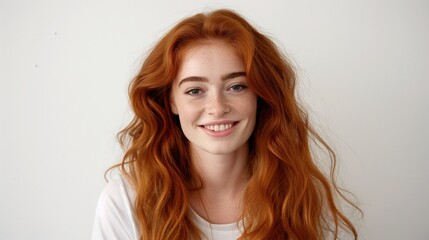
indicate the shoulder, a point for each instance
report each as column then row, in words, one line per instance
column 118, row 188
column 114, row 215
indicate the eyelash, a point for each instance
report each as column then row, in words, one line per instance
column 197, row 91
column 192, row 91
column 241, row 86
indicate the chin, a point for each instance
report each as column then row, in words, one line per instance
column 217, row 151
column 223, row 149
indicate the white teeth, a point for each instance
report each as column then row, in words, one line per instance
column 217, row 128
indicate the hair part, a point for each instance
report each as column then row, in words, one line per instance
column 287, row 196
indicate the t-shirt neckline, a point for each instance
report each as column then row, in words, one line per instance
column 214, row 226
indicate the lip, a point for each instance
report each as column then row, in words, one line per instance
column 220, row 134
column 219, row 122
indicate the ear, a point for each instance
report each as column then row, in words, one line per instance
column 173, row 107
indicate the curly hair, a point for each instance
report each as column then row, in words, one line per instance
column 287, row 197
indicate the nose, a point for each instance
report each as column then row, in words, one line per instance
column 217, row 105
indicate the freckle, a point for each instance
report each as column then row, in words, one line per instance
column 36, row 66
column 56, row 33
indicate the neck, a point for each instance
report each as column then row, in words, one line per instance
column 224, row 179
column 221, row 173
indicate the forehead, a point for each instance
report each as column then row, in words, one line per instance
column 209, row 56
column 203, row 44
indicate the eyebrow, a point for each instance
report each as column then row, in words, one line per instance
column 203, row 79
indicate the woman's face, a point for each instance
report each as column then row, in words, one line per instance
column 217, row 110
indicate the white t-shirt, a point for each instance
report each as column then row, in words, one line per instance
column 115, row 218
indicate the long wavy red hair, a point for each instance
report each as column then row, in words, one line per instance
column 287, row 197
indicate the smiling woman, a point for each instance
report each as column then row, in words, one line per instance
column 216, row 109
column 219, row 147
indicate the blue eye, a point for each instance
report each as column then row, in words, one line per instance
column 193, row 91
column 238, row 87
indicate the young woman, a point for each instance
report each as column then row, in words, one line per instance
column 219, row 147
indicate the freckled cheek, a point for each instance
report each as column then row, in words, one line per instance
column 189, row 114
column 248, row 106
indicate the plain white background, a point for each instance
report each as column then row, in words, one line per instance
column 363, row 70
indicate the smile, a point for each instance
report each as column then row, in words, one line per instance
column 218, row 127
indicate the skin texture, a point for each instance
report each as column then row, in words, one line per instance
column 217, row 113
